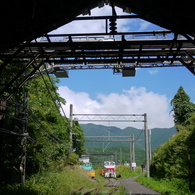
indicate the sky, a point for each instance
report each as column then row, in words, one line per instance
column 102, row 92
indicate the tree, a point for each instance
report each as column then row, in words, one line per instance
column 78, row 139
column 182, row 107
column 176, row 158
column 47, row 126
column 12, row 124
column 47, row 138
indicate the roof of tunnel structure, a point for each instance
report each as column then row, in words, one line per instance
column 25, row 20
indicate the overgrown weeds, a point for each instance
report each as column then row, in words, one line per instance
column 123, row 172
column 66, row 181
column 52, row 183
column 166, row 186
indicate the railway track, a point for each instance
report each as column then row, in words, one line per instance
column 108, row 189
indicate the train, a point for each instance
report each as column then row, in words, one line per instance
column 109, row 169
column 89, row 168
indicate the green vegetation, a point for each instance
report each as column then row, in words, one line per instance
column 48, row 153
column 47, row 146
column 51, row 183
column 172, row 166
column 66, row 181
column 182, row 107
column 99, row 159
column 176, row 158
column 158, row 136
column 166, row 186
column 123, row 172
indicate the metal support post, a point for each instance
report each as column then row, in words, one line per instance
column 150, row 144
column 2, row 117
column 120, row 156
column 116, row 157
column 24, row 140
column 133, row 152
column 146, row 146
column 71, row 112
column 131, row 157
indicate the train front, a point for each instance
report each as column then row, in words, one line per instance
column 109, row 169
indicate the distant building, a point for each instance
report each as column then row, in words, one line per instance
column 84, row 158
column 126, row 163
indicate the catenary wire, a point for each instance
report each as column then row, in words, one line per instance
column 44, row 128
column 50, row 92
column 139, row 134
column 55, row 91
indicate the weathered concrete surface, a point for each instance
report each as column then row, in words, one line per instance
column 134, row 188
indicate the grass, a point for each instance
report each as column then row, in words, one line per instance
column 66, row 182
column 52, row 183
column 123, row 172
column 165, row 186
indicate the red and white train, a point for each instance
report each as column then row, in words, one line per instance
column 109, row 169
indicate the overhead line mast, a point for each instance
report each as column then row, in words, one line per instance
column 115, row 118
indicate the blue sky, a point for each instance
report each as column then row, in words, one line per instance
column 99, row 91
column 165, row 81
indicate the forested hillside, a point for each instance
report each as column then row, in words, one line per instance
column 121, row 150
column 158, row 135
column 120, row 155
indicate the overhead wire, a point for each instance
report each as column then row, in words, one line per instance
column 54, row 138
column 17, row 108
column 139, row 134
column 50, row 92
column 50, row 134
column 49, row 137
column 11, row 132
column 27, row 135
column 2, row 130
column 55, row 91
column 56, row 106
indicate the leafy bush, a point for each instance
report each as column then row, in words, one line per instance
column 171, row 159
column 176, row 158
column 123, row 171
column 166, row 186
column 18, row 189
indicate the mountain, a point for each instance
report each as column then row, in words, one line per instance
column 158, row 135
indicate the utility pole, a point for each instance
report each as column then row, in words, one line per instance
column 23, row 141
column 71, row 112
column 133, row 148
column 146, row 146
column 121, row 156
column 116, row 157
column 133, row 152
column 150, row 144
column 2, row 119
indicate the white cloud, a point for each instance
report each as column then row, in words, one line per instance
column 98, row 26
column 132, row 101
column 153, row 72
column 143, row 25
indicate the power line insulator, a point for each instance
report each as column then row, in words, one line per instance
column 112, row 23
